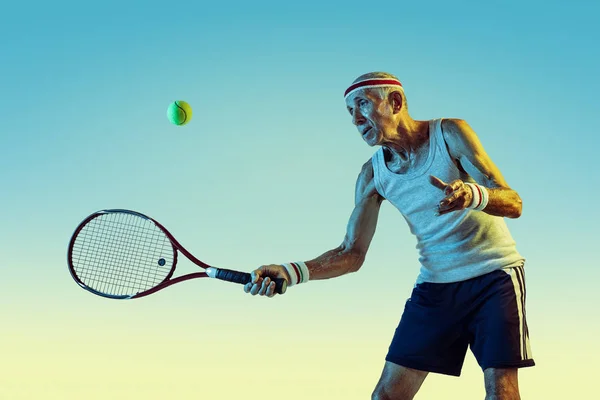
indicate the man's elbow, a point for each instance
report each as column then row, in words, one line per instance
column 517, row 208
column 356, row 260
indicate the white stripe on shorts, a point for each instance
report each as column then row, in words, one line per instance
column 517, row 275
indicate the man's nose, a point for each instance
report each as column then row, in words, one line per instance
column 357, row 118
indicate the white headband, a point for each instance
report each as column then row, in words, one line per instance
column 372, row 83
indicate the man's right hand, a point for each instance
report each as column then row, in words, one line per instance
column 262, row 280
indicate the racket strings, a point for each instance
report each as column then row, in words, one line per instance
column 120, row 254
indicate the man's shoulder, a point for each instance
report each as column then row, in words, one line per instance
column 453, row 125
column 368, row 165
column 367, row 168
column 456, row 131
column 367, row 174
column 365, row 184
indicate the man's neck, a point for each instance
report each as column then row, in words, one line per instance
column 411, row 135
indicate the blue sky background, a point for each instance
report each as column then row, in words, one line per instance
column 265, row 173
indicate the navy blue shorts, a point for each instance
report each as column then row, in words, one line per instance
column 441, row 320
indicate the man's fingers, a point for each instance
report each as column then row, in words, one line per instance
column 457, row 200
column 256, row 287
column 454, row 186
column 437, row 182
column 452, row 206
column 264, row 286
column 262, row 281
column 448, row 200
column 446, row 187
column 442, row 211
column 255, row 275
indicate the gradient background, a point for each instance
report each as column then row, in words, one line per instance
column 265, row 173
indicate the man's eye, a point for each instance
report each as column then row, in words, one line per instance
column 362, row 103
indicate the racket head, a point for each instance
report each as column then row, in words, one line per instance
column 120, row 254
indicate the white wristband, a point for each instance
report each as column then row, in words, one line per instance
column 485, row 197
column 480, row 196
column 298, row 272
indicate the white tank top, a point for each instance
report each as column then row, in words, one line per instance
column 453, row 247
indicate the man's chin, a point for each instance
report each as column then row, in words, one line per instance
column 371, row 141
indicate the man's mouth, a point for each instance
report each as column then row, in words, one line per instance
column 365, row 131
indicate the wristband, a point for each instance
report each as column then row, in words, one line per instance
column 298, row 272
column 480, row 196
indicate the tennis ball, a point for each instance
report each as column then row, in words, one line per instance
column 179, row 112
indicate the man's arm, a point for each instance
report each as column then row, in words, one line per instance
column 464, row 147
column 350, row 255
column 347, row 257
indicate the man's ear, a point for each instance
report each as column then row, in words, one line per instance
column 395, row 99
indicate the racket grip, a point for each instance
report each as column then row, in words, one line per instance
column 242, row 278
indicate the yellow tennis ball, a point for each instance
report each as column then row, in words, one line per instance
column 179, row 112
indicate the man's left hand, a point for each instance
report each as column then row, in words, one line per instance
column 458, row 195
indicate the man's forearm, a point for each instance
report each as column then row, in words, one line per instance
column 503, row 202
column 333, row 263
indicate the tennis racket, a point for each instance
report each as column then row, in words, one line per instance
column 122, row 254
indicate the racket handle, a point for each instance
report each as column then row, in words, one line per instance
column 242, row 278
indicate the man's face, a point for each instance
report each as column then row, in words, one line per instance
column 372, row 116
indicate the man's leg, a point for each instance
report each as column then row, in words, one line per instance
column 501, row 384
column 398, row 383
column 500, row 333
